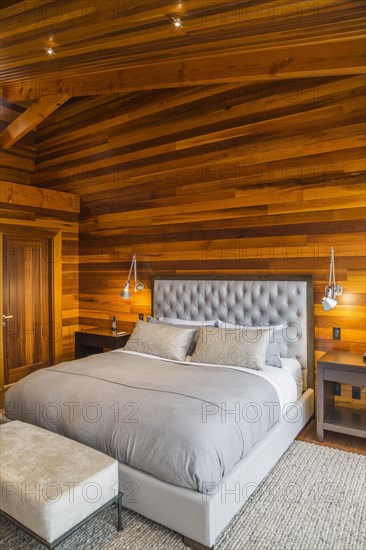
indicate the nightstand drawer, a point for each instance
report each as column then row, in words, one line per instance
column 345, row 377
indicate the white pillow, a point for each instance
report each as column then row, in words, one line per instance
column 187, row 322
column 294, row 368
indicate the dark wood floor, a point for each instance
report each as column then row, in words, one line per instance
column 333, row 439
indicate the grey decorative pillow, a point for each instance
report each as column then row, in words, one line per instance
column 183, row 324
column 273, row 358
column 274, row 340
column 222, row 346
column 163, row 340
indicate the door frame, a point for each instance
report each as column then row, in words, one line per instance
column 55, row 238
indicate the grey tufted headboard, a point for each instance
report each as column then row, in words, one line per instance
column 246, row 300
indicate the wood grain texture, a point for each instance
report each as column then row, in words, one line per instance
column 46, row 199
column 247, row 180
column 30, row 118
column 332, row 439
column 233, row 145
column 26, row 272
column 18, row 164
column 55, row 215
column 106, row 47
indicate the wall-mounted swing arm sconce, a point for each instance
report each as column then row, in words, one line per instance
column 125, row 292
column 332, row 290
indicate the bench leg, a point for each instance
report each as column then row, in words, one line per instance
column 119, row 504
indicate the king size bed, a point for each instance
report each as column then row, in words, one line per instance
column 201, row 403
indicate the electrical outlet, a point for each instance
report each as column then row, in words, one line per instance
column 356, row 392
column 336, row 333
column 337, row 389
column 141, row 316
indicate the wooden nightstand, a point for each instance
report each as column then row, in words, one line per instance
column 94, row 340
column 345, row 368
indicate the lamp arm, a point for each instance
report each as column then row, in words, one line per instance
column 332, row 264
column 130, row 273
column 135, row 270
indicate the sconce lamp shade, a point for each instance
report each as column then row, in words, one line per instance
column 333, row 290
column 125, row 292
column 329, row 302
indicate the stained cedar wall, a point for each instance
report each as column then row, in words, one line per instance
column 26, row 209
column 18, row 163
column 221, row 179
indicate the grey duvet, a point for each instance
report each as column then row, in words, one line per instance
column 184, row 424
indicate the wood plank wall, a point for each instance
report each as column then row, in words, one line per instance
column 18, row 163
column 26, row 209
column 260, row 178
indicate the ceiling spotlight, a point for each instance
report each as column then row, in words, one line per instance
column 177, row 23
column 50, row 51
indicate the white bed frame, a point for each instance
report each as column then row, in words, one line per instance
column 201, row 518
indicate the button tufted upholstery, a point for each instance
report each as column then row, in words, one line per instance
column 240, row 302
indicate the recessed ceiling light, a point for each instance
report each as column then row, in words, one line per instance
column 177, row 22
column 50, row 51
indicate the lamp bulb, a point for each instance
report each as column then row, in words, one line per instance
column 177, row 22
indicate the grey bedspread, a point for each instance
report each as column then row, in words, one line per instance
column 184, row 424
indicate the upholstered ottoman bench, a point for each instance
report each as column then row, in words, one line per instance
column 50, row 485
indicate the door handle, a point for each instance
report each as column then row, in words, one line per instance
column 6, row 317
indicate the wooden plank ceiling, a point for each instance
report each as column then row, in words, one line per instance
column 110, row 46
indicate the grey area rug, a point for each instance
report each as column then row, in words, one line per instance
column 313, row 499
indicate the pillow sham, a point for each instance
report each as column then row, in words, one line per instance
column 159, row 339
column 187, row 322
column 183, row 323
column 273, row 358
column 229, row 347
column 294, row 368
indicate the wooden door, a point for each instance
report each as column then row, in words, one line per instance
column 27, row 315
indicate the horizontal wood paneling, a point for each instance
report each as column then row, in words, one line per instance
column 108, row 47
column 233, row 145
column 24, row 210
column 18, row 164
column 244, row 180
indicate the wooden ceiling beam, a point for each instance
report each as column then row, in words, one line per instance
column 25, row 195
column 318, row 58
column 28, row 120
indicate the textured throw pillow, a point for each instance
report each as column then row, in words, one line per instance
column 162, row 340
column 183, row 323
column 274, row 339
column 223, row 346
